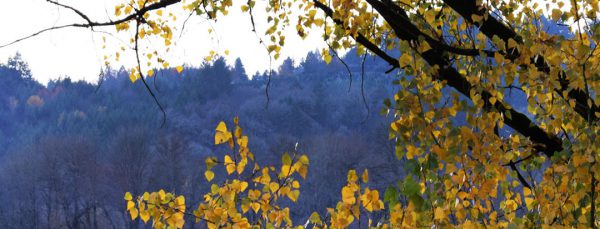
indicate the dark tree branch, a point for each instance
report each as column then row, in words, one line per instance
column 90, row 24
column 78, row 12
column 593, row 197
column 513, row 167
column 491, row 27
column 139, row 66
column 361, row 39
column 405, row 30
column 337, row 56
column 137, row 16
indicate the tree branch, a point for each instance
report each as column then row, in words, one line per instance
column 360, row 38
column 405, row 30
column 491, row 27
column 78, row 12
column 91, row 24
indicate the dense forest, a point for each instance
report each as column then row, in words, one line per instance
column 69, row 150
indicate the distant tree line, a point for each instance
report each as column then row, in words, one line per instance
column 70, row 149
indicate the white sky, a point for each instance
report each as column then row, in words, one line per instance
column 78, row 53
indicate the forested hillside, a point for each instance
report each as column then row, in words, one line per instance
column 69, row 150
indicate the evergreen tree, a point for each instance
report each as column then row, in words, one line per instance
column 239, row 72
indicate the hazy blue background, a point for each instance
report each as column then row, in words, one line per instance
column 69, row 150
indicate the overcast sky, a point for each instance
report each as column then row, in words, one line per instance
column 78, row 53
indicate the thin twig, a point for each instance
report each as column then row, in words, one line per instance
column 137, row 56
column 134, row 16
column 362, row 87
column 81, row 14
column 100, row 80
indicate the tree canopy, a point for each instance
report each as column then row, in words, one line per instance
column 496, row 110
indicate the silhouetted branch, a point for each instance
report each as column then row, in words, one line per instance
column 90, row 24
column 490, row 27
column 405, row 30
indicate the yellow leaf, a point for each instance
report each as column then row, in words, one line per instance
column 128, row 9
column 327, row 58
column 352, row 177
column 210, row 162
column 240, row 166
column 255, row 207
column 222, row 135
column 245, row 206
column 133, row 77
column 118, row 10
column 130, row 205
column 510, row 205
column 254, row 194
column 134, row 213
column 128, row 196
column 424, row 47
column 222, row 127
column 405, row 59
column 315, row 218
column 179, row 69
column 145, row 216
column 529, row 202
column 293, row 195
column 526, row 191
column 348, row 195
column 243, row 185
column 229, row 164
column 161, row 194
column 411, row 151
column 243, row 141
column 512, row 43
column 150, row 72
column 209, row 175
column 302, row 171
column 556, row 14
column 430, row 16
column 498, row 57
column 304, row 159
column 492, row 100
column 439, row 214
column 285, row 170
column 180, row 201
column 273, row 186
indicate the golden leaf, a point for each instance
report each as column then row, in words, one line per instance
column 209, row 175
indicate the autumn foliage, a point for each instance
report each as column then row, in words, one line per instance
column 475, row 159
column 249, row 197
column 253, row 190
column 475, row 156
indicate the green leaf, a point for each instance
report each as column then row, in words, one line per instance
column 418, row 202
column 315, row 218
column 410, row 187
column 286, row 159
column 391, row 196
